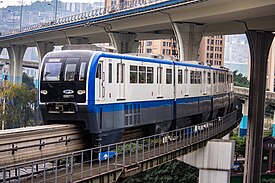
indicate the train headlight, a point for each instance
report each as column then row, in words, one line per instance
column 44, row 92
column 81, row 92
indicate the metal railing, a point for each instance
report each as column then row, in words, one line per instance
column 94, row 162
column 128, row 5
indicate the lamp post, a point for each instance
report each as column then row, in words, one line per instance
column 54, row 9
column 21, row 14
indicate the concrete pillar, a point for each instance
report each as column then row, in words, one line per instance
column 188, row 37
column 243, row 124
column 43, row 48
column 16, row 55
column 214, row 161
column 124, row 42
column 259, row 43
column 77, row 40
column 11, row 65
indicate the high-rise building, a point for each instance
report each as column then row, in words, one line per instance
column 211, row 50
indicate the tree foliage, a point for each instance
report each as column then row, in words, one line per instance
column 174, row 171
column 240, row 79
column 18, row 105
column 240, row 145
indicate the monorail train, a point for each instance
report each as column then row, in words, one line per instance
column 112, row 94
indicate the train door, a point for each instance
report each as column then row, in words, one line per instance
column 186, row 82
column 121, row 80
column 204, row 82
column 100, row 79
column 159, row 81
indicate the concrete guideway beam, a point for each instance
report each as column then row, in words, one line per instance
column 259, row 43
column 77, row 40
column 124, row 42
column 214, row 161
column 16, row 55
column 188, row 37
column 43, row 48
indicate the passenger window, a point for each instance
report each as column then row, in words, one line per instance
column 70, row 72
column 180, row 76
column 98, row 71
column 214, row 78
column 110, row 73
column 209, row 77
column 142, row 74
column 198, row 77
column 150, row 75
column 133, row 74
column 192, row 77
column 82, row 71
column 168, row 76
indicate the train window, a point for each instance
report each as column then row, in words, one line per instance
column 198, row 77
column 133, row 74
column 150, row 75
column 192, row 77
column 208, row 77
column 185, row 76
column 180, row 76
column 98, row 71
column 69, row 72
column 168, row 76
column 82, row 71
column 142, row 74
column 214, row 78
column 52, row 71
column 110, row 73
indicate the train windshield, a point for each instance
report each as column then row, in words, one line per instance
column 52, row 70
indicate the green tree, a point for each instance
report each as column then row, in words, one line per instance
column 28, row 81
column 18, row 105
column 240, row 79
column 240, row 144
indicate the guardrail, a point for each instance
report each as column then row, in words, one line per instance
column 121, row 157
column 128, row 5
column 269, row 96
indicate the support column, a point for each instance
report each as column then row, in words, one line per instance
column 259, row 43
column 124, row 42
column 43, row 48
column 16, row 54
column 243, row 124
column 188, row 37
column 77, row 40
column 214, row 161
column 11, row 65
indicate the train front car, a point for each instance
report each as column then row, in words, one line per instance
column 63, row 87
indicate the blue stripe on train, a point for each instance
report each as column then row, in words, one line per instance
column 144, row 104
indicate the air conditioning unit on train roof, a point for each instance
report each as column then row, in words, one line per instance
column 152, row 55
column 92, row 47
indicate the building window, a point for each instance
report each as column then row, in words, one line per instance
column 211, row 55
column 211, row 48
column 149, row 43
column 163, row 51
column 148, row 50
column 163, row 43
column 168, row 76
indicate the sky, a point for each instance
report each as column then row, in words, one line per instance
column 5, row 3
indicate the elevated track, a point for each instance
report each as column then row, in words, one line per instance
column 26, row 144
column 113, row 162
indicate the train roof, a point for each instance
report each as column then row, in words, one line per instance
column 99, row 54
